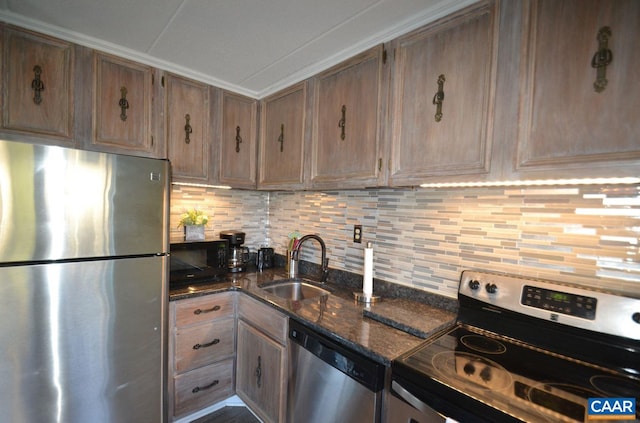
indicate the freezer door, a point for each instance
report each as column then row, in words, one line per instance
column 58, row 203
column 83, row 342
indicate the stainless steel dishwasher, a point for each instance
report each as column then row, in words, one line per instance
column 329, row 382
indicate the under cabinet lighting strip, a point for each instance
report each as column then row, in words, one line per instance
column 187, row 184
column 538, row 182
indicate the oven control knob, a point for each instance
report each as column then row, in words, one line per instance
column 636, row 317
column 474, row 284
column 469, row 369
column 491, row 288
column 485, row 375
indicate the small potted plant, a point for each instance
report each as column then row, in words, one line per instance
column 193, row 222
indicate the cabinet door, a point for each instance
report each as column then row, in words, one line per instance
column 122, row 106
column 38, row 86
column 568, row 127
column 346, row 132
column 188, row 123
column 260, row 375
column 238, row 144
column 282, row 140
column 454, row 59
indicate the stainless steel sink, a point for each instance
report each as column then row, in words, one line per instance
column 294, row 289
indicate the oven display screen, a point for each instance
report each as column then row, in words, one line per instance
column 559, row 302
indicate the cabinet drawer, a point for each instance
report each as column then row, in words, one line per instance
column 203, row 344
column 204, row 309
column 263, row 317
column 202, row 387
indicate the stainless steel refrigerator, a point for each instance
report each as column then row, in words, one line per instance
column 83, row 242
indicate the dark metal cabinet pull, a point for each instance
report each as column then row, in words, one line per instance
column 37, row 85
column 602, row 59
column 208, row 344
column 259, row 372
column 281, row 137
column 342, row 123
column 209, row 310
column 123, row 103
column 439, row 98
column 238, row 139
column 202, row 388
column 187, row 128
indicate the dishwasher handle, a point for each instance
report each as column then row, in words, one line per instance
column 355, row 365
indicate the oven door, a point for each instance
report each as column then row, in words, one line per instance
column 405, row 407
column 432, row 401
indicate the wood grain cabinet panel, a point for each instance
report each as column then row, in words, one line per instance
column 346, row 143
column 453, row 58
column 282, row 139
column 261, row 373
column 122, row 106
column 38, row 79
column 188, row 127
column 238, row 141
column 202, row 337
column 567, row 128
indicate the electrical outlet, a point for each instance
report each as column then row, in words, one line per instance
column 357, row 233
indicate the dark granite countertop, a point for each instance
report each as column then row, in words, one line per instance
column 381, row 331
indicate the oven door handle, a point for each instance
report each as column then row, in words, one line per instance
column 429, row 412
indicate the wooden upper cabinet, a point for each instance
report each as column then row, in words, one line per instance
column 122, row 106
column 442, row 98
column 187, row 129
column 346, row 143
column 282, row 139
column 38, row 80
column 567, row 127
column 238, row 141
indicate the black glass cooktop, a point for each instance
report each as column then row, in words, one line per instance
column 520, row 380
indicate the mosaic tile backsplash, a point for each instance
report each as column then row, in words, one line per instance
column 424, row 238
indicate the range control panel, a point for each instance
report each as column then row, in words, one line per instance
column 559, row 302
column 564, row 303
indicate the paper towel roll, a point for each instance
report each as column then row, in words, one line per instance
column 367, row 282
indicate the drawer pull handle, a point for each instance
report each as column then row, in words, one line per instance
column 438, row 99
column 342, row 123
column 281, row 137
column 202, row 388
column 602, row 59
column 259, row 372
column 238, row 139
column 123, row 104
column 37, row 85
column 187, row 128
column 209, row 310
column 214, row 342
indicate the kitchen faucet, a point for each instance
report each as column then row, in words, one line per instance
column 296, row 253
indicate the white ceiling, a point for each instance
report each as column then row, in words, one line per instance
column 253, row 47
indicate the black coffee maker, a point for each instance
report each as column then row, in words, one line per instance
column 238, row 256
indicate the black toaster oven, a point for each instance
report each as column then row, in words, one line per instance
column 199, row 261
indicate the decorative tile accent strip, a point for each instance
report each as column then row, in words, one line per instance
column 424, row 238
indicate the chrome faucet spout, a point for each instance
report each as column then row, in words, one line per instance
column 324, row 260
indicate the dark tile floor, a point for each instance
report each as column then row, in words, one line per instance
column 229, row 415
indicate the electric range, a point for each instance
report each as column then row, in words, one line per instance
column 522, row 350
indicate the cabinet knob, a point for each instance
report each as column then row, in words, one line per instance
column 259, row 372
column 202, row 388
column 208, row 310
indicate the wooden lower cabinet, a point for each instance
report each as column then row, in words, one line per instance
column 261, row 372
column 201, row 352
